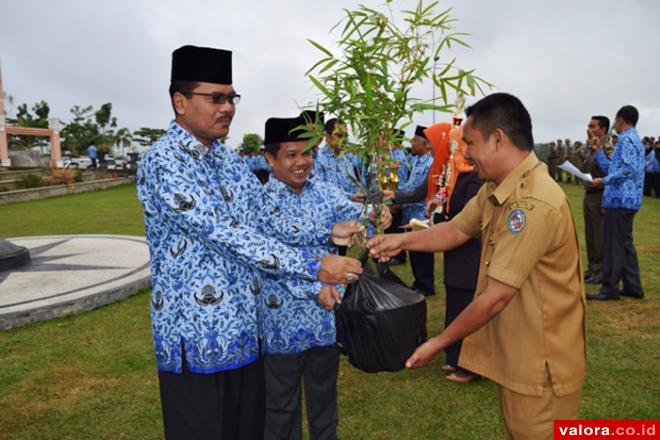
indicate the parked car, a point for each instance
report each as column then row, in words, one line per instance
column 84, row 162
column 116, row 164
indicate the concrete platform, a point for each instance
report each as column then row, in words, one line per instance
column 72, row 274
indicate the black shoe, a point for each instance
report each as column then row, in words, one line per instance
column 594, row 280
column 602, row 296
column 633, row 295
column 421, row 292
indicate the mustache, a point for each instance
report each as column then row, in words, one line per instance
column 224, row 119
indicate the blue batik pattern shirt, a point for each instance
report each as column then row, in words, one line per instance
column 624, row 182
column 203, row 209
column 418, row 174
column 404, row 167
column 339, row 171
column 291, row 318
column 651, row 164
column 256, row 163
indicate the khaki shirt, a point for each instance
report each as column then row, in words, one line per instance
column 528, row 242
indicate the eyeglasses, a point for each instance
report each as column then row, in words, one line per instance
column 219, row 98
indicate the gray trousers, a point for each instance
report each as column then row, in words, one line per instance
column 593, row 232
column 317, row 369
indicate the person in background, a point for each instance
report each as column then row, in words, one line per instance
column 649, row 167
column 593, row 199
column 622, row 198
column 92, row 153
column 461, row 265
column 656, row 169
column 553, row 160
column 421, row 263
column 562, row 155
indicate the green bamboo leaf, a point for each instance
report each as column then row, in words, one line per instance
column 320, row 86
column 328, row 66
column 321, row 48
column 318, row 63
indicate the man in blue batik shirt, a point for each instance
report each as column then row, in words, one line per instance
column 203, row 209
column 622, row 198
column 297, row 320
column 332, row 167
column 422, row 263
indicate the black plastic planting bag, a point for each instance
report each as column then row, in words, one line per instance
column 380, row 321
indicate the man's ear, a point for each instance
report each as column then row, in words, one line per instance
column 179, row 103
column 500, row 138
column 269, row 158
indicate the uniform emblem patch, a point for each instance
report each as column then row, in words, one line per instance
column 516, row 221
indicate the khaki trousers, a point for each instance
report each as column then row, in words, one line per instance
column 531, row 417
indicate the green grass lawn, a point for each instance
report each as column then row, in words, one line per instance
column 93, row 376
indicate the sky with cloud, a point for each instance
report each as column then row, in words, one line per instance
column 565, row 60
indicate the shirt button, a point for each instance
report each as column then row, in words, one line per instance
column 487, row 263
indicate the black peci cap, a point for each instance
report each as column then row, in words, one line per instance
column 280, row 130
column 203, row 64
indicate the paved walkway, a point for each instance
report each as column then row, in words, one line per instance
column 72, row 274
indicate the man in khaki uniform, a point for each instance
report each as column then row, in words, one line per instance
column 526, row 323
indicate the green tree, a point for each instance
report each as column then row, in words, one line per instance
column 123, row 138
column 82, row 131
column 146, row 136
column 251, row 143
column 90, row 126
column 107, row 124
column 369, row 83
column 38, row 118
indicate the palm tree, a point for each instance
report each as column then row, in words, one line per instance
column 123, row 138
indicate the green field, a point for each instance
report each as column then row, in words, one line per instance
column 93, row 376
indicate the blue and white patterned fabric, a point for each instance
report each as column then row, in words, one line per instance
column 418, row 174
column 404, row 166
column 203, row 209
column 624, row 182
column 655, row 164
column 651, row 164
column 292, row 320
column 339, row 171
column 257, row 162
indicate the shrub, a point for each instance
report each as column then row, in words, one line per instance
column 61, row 176
column 30, row 181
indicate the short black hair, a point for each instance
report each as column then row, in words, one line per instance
column 273, row 148
column 629, row 114
column 603, row 121
column 506, row 112
column 186, row 88
column 330, row 125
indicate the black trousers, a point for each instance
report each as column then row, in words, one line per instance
column 229, row 405
column 649, row 184
column 457, row 300
column 593, row 232
column 619, row 255
column 318, row 369
column 422, row 265
column 397, row 217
